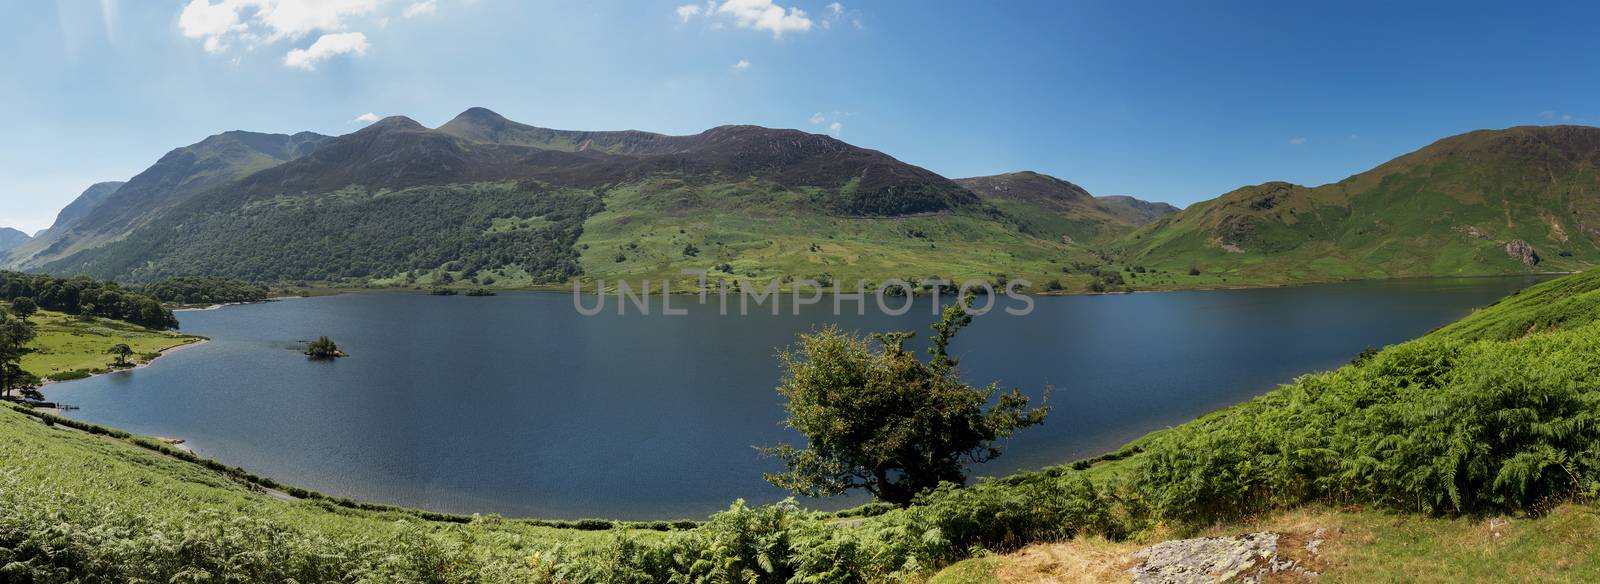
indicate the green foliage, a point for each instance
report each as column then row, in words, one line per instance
column 205, row 290
column 883, row 421
column 358, row 235
column 323, row 348
column 24, row 307
column 84, row 296
column 15, row 334
column 121, row 351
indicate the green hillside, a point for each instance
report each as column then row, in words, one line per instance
column 1050, row 208
column 1520, row 200
column 1492, row 416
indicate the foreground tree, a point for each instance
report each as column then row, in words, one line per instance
column 881, row 420
column 121, row 351
column 15, row 334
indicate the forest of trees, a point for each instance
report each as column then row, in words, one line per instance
column 82, row 295
column 359, row 237
column 205, row 290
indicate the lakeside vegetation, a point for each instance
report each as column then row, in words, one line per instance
column 86, row 297
column 1493, row 415
column 68, row 347
column 189, row 290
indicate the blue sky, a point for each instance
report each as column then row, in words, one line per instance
column 1173, row 101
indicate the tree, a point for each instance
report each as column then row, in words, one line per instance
column 121, row 351
column 323, row 348
column 15, row 379
column 881, row 420
column 15, row 334
column 24, row 307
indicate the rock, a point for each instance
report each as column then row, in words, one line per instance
column 1520, row 250
column 1206, row 560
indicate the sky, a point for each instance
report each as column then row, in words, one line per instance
column 1171, row 101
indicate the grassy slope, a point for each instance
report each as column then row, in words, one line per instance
column 1359, row 546
column 66, row 344
column 100, row 490
column 1371, row 545
column 764, row 233
column 1446, row 210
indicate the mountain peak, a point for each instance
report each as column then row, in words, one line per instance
column 394, row 123
column 480, row 114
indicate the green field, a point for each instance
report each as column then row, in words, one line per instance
column 68, row 347
column 750, row 231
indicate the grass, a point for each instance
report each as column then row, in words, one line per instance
column 761, row 233
column 66, row 344
column 133, row 496
column 1446, row 210
column 1359, row 546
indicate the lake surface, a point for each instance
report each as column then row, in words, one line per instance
column 517, row 404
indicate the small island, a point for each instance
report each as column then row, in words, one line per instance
column 324, row 348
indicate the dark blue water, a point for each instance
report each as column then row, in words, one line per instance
column 516, row 404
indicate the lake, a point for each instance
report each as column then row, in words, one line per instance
column 518, row 405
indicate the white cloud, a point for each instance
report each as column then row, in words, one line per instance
column 817, row 118
column 741, row 65
column 836, row 128
column 1297, row 140
column 836, row 8
column 366, row 118
column 221, row 24
column 688, row 11
column 296, row 18
column 420, row 8
column 328, row 45
column 767, row 16
column 202, row 19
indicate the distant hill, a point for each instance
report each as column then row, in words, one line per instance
column 1136, row 211
column 1524, row 199
column 496, row 202
column 1053, row 208
column 10, row 238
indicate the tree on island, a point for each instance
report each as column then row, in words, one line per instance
column 121, row 351
column 884, row 421
column 323, row 348
column 24, row 307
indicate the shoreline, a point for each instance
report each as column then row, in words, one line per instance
column 566, row 288
column 1113, row 450
column 197, row 341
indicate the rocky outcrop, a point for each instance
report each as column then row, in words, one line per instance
column 1206, row 560
column 1521, row 251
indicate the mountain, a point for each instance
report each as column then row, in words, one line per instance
column 492, row 201
column 10, row 238
column 86, row 202
column 1049, row 207
column 1136, row 211
column 105, row 214
column 1524, row 199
